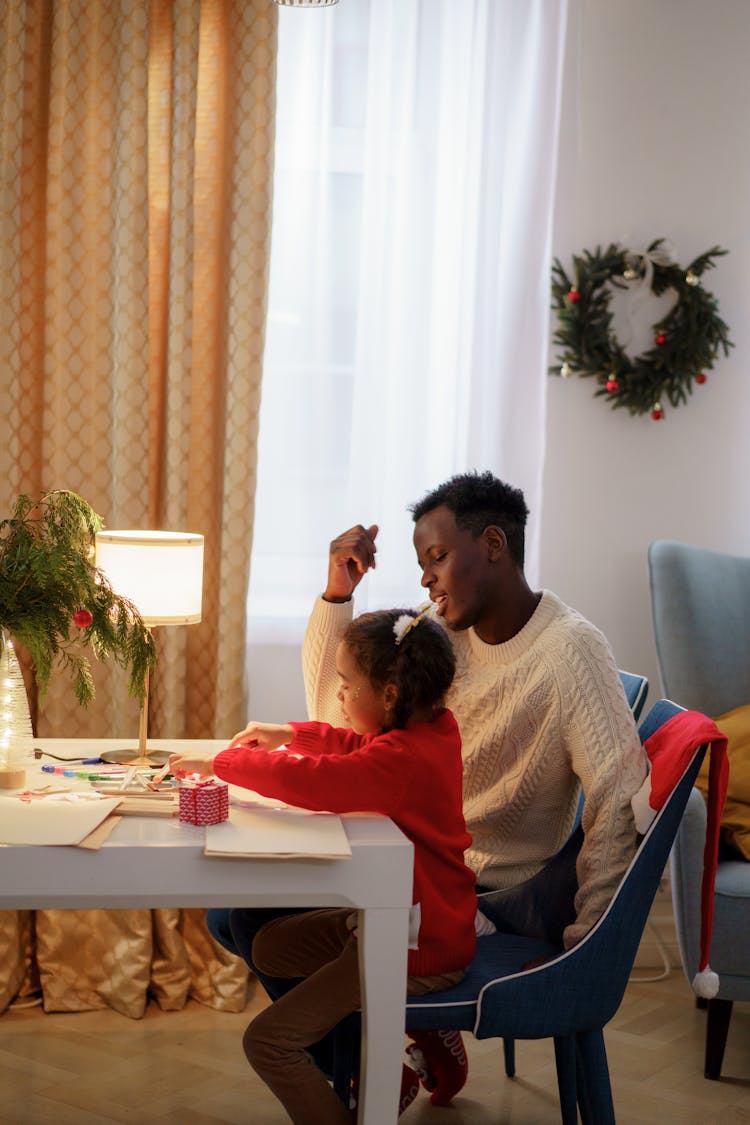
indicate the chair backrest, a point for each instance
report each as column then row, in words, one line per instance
column 583, row 987
column 636, row 690
column 700, row 603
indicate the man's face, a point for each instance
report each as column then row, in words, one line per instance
column 455, row 568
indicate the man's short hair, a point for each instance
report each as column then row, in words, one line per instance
column 478, row 500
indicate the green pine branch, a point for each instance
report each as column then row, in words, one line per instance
column 47, row 573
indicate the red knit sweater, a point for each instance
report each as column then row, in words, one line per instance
column 414, row 777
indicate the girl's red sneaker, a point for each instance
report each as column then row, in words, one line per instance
column 439, row 1058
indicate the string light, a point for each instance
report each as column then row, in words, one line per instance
column 16, row 739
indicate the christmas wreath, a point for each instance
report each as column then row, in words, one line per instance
column 687, row 340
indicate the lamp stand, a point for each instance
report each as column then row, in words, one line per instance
column 143, row 759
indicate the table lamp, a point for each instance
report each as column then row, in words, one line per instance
column 161, row 572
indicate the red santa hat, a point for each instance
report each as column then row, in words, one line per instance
column 670, row 750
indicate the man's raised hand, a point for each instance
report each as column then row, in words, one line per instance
column 351, row 555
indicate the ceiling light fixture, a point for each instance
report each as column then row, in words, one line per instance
column 306, row 3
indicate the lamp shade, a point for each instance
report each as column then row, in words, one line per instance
column 161, row 572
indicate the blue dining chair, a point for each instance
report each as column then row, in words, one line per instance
column 574, row 994
column 561, row 874
column 636, row 690
column 557, row 878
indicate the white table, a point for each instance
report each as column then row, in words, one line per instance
column 152, row 862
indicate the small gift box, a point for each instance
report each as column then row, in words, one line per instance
column 204, row 802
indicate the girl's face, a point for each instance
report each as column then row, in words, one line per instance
column 365, row 708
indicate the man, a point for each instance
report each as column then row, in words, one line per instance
column 539, row 704
column 537, row 697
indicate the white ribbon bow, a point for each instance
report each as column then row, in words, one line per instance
column 661, row 255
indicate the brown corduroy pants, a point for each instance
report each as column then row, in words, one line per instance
column 320, row 946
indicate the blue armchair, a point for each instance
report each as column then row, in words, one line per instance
column 701, row 614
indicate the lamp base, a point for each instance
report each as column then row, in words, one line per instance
column 134, row 757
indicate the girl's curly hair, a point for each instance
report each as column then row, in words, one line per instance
column 421, row 666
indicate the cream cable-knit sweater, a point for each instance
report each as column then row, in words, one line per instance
column 536, row 714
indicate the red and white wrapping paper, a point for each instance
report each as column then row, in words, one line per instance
column 204, row 802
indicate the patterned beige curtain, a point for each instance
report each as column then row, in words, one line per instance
column 136, row 141
column 136, row 144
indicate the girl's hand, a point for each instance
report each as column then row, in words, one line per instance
column 194, row 762
column 267, row 736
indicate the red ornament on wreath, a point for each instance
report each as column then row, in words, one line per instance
column 657, row 413
column 83, row 618
column 612, row 386
column 574, row 295
column 701, row 378
column 660, row 339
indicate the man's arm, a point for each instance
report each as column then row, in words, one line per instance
column 607, row 756
column 350, row 556
column 325, row 629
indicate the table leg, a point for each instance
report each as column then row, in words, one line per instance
column 383, row 939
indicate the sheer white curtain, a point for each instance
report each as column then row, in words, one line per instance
column 408, row 323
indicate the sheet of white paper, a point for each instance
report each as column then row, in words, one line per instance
column 278, row 832
column 47, row 821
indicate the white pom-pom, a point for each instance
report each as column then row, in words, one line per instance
column 706, row 983
column 642, row 810
column 401, row 626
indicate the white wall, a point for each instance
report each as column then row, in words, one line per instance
column 655, row 142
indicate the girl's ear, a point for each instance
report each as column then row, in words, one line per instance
column 390, row 695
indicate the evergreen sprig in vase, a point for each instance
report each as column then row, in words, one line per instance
column 57, row 603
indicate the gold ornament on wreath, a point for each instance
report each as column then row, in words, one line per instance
column 686, row 341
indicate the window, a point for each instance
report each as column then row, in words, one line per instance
column 408, row 306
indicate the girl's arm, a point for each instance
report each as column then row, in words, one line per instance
column 322, row 738
column 353, row 781
column 267, row 736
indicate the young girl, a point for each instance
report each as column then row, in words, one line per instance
column 400, row 756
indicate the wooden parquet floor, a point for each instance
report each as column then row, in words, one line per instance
column 187, row 1068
